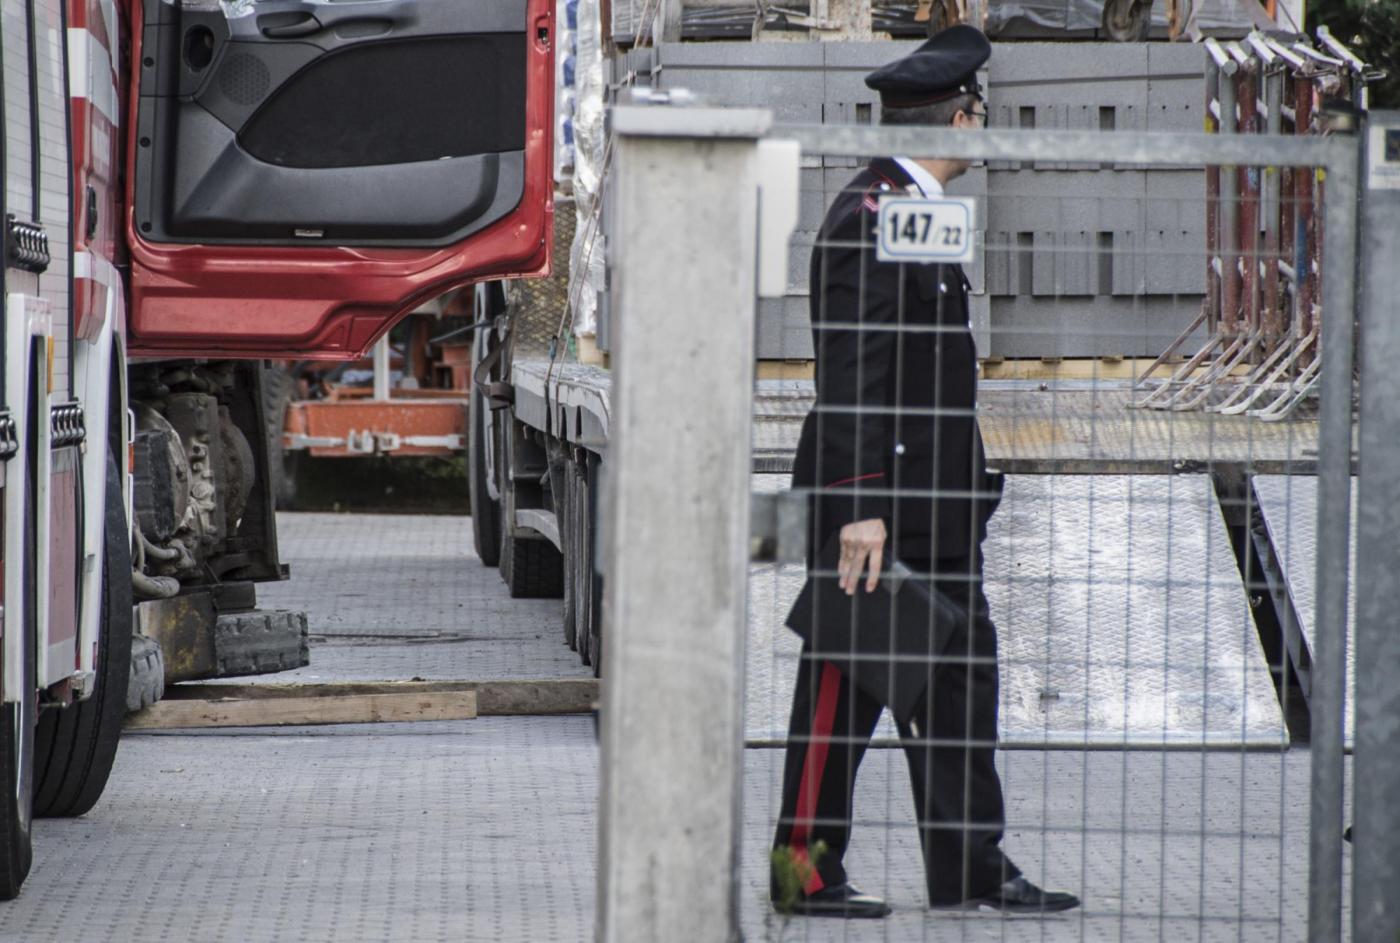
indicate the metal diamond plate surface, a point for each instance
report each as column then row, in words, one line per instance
column 1289, row 505
column 1121, row 615
column 537, row 303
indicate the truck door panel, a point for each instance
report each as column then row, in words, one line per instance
column 312, row 169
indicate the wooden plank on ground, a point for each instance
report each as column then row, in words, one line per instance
column 494, row 698
column 306, row 711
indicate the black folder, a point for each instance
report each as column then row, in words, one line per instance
column 887, row 642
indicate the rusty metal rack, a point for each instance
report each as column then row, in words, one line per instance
column 1264, row 240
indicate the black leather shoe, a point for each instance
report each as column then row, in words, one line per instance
column 1017, row 896
column 843, row 900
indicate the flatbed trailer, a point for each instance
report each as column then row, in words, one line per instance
column 1070, row 399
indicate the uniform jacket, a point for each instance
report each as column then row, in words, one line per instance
column 896, row 377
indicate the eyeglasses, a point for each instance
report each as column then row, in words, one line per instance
column 979, row 114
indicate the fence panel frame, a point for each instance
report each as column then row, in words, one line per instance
column 1336, row 156
column 1376, row 767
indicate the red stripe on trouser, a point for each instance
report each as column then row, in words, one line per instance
column 851, row 481
column 813, row 767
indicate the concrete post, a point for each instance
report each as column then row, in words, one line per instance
column 677, row 521
column 1375, row 908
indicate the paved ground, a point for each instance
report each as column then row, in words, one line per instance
column 485, row 830
column 394, row 596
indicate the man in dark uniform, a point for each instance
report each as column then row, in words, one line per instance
column 893, row 456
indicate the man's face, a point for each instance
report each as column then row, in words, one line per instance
column 973, row 117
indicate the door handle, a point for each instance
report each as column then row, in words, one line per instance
column 288, row 25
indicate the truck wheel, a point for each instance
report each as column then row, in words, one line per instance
column 566, row 507
column 146, row 675
column 581, row 564
column 486, row 513
column 591, row 579
column 75, row 746
column 17, row 722
column 533, row 569
column 588, row 585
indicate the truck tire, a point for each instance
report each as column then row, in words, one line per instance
column 146, row 674
column 75, row 746
column 587, row 584
column 592, row 580
column 17, row 723
column 566, row 507
column 260, row 642
column 486, row 513
column 532, row 568
column 580, row 565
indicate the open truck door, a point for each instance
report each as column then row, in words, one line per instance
column 307, row 171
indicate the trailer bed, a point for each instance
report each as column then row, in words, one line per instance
column 1028, row 427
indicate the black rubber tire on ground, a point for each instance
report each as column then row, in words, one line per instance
column 593, row 579
column 532, row 568
column 486, row 513
column 75, row 746
column 146, row 677
column 579, row 565
column 17, row 722
column 566, row 509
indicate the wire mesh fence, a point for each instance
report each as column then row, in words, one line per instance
column 1122, row 604
column 1098, row 466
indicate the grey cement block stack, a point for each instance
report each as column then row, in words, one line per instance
column 1078, row 260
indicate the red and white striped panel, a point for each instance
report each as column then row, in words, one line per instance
column 94, row 32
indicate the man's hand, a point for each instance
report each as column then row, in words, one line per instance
column 861, row 542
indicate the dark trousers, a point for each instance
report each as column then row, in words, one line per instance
column 949, row 744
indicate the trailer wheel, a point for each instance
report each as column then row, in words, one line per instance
column 591, row 578
column 577, row 633
column 486, row 513
column 75, row 746
column 588, row 585
column 532, row 568
column 17, row 723
column 566, row 507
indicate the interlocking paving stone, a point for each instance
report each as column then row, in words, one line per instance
column 398, row 596
column 485, row 830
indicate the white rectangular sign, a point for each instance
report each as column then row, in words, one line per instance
column 1384, row 158
column 920, row 229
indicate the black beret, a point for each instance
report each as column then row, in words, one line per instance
column 941, row 68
